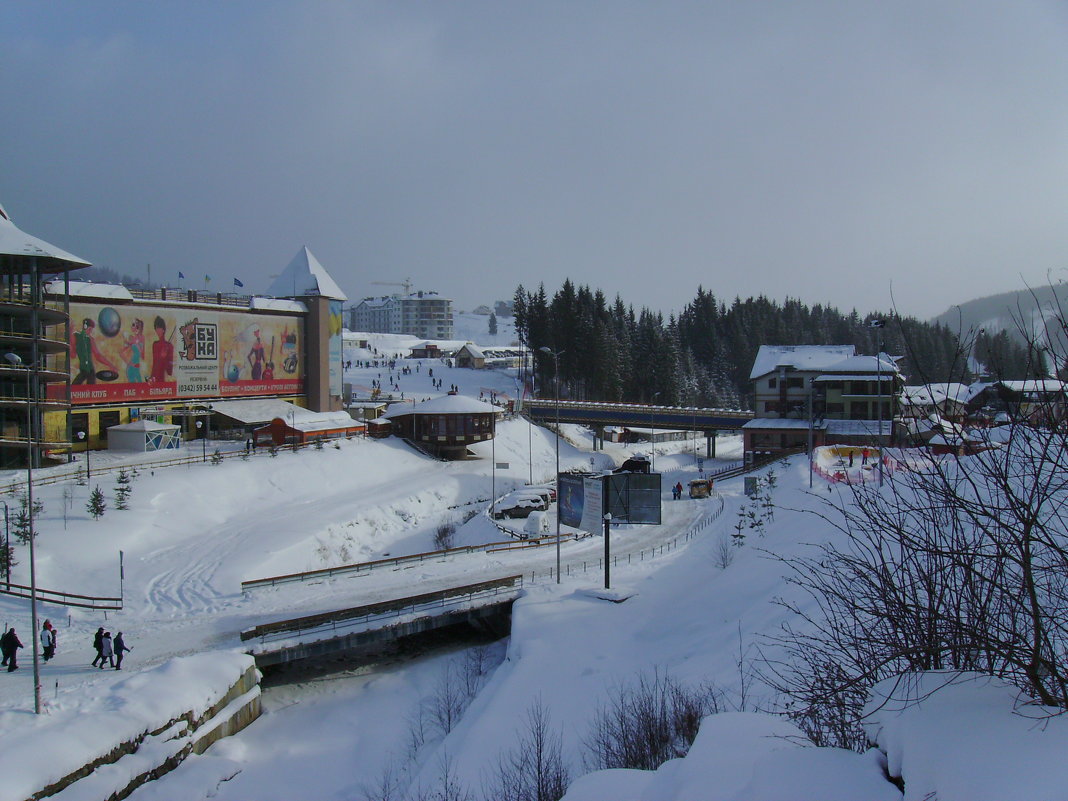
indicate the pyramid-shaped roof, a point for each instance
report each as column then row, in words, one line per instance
column 304, row 277
column 16, row 242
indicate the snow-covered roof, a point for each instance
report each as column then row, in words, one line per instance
column 87, row 289
column 144, row 426
column 374, row 302
column 799, row 357
column 446, row 404
column 257, row 411
column 305, row 276
column 473, row 350
column 1034, row 385
column 930, row 394
column 322, row 421
column 16, row 242
column 868, row 365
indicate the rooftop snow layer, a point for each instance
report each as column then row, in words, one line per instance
column 799, row 357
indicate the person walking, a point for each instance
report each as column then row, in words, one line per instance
column 98, row 644
column 106, row 650
column 5, row 648
column 48, row 640
column 9, row 645
column 120, row 648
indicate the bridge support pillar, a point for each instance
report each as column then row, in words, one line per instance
column 710, row 444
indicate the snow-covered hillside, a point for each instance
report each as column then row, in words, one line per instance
column 696, row 615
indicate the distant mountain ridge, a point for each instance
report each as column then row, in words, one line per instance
column 1009, row 311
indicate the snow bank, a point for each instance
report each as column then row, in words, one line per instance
column 746, row 756
column 967, row 737
column 40, row 750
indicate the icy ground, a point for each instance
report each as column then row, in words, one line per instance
column 194, row 533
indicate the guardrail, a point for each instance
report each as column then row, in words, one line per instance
column 359, row 568
column 63, row 598
column 357, row 615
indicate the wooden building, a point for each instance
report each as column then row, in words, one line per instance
column 445, row 425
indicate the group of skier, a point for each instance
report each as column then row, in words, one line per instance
column 107, row 650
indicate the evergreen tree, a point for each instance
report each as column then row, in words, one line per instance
column 97, row 505
column 493, row 324
column 22, row 519
column 122, row 490
column 7, row 560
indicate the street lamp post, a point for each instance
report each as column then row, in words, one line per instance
column 82, row 436
column 652, row 437
column 15, row 360
column 7, row 545
column 880, row 324
column 203, row 442
column 556, row 371
column 607, row 551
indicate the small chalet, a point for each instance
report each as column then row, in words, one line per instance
column 470, row 356
column 445, row 425
column 305, row 427
column 427, row 350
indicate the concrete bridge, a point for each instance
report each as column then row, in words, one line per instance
column 637, row 415
column 486, row 605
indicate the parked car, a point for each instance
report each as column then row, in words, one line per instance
column 520, row 503
column 549, row 493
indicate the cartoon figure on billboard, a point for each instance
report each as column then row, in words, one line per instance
column 84, row 347
column 257, row 356
column 162, row 353
column 189, row 339
column 133, row 351
column 268, row 370
column 289, row 351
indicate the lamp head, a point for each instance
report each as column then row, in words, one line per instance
column 13, row 358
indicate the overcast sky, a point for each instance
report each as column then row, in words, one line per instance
column 837, row 152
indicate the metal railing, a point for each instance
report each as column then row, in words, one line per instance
column 363, row 568
column 63, row 598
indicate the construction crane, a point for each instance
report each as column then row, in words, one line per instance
column 406, row 283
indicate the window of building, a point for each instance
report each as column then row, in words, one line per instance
column 107, row 419
column 79, row 423
column 795, row 383
column 772, row 383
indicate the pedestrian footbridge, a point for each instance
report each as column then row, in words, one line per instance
column 637, row 415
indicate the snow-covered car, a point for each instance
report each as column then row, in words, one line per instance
column 521, row 503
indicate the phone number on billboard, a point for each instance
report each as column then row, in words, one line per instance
column 187, row 388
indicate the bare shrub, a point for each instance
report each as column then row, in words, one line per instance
column 723, row 553
column 445, row 535
column 534, row 769
column 647, row 722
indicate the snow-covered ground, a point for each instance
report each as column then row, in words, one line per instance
column 193, row 533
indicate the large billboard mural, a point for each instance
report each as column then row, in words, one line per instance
column 152, row 353
column 336, row 348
